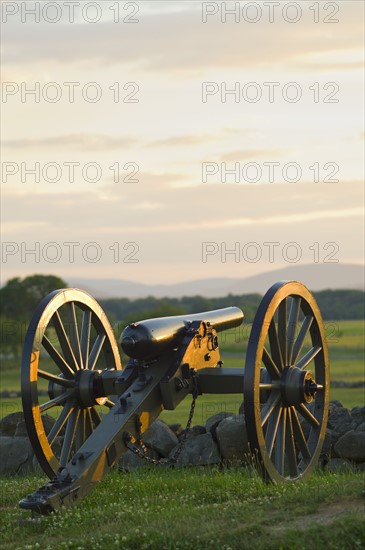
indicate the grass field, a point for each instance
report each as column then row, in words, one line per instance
column 207, row 507
column 194, row 509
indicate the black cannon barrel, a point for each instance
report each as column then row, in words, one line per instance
column 149, row 338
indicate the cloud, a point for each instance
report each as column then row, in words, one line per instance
column 82, row 142
column 164, row 42
column 246, row 154
column 149, row 184
column 182, row 141
column 332, row 67
column 200, row 139
column 173, row 234
column 146, row 206
column 268, row 206
column 322, row 215
column 15, row 227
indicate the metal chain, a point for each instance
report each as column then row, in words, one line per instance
column 140, row 449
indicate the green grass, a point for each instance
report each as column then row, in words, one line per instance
column 191, row 509
column 10, row 375
column 10, row 405
column 346, row 334
column 342, row 336
column 349, row 397
column 349, row 370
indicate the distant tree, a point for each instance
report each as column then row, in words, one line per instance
column 11, row 335
column 19, row 297
column 18, row 300
column 163, row 309
column 334, row 304
column 11, row 298
column 341, row 304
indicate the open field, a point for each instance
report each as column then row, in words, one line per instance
column 194, row 509
column 221, row 509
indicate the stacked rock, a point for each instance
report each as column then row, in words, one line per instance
column 222, row 440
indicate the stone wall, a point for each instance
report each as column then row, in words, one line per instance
column 223, row 440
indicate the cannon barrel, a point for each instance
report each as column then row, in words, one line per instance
column 150, row 338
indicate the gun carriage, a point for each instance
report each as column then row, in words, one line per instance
column 71, row 367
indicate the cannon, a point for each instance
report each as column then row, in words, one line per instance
column 71, row 369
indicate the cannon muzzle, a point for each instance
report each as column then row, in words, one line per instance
column 150, row 338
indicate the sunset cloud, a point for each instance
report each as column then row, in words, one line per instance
column 81, row 142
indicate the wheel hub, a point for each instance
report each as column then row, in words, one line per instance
column 297, row 386
column 85, row 388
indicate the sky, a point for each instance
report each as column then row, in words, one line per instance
column 167, row 141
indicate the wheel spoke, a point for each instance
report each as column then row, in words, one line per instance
column 95, row 352
column 308, row 320
column 267, row 386
column 57, row 358
column 299, row 435
column 309, row 417
column 60, row 422
column 74, row 333
column 80, row 429
column 64, row 341
column 308, row 357
column 274, row 345
column 268, row 408
column 272, row 428
column 280, row 444
column 58, row 400
column 290, row 446
column 292, row 325
column 88, row 424
column 270, row 365
column 282, row 331
column 69, row 437
column 95, row 417
column 85, row 336
column 56, row 379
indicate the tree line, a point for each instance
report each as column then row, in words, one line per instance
column 20, row 297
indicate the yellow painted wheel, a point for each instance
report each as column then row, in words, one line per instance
column 68, row 340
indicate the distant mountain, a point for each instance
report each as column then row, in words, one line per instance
column 314, row 276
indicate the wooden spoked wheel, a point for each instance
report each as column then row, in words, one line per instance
column 69, row 338
column 286, row 383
